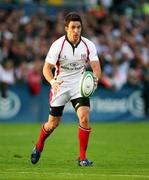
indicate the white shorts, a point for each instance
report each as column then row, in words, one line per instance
column 65, row 94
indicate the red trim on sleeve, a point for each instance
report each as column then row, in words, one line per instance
column 58, row 64
column 88, row 52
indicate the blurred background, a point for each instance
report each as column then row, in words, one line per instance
column 120, row 31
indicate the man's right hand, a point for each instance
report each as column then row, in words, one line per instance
column 55, row 84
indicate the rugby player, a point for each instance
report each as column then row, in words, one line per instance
column 69, row 55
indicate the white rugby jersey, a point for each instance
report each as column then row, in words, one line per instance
column 69, row 60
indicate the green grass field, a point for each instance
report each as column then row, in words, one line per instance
column 120, row 151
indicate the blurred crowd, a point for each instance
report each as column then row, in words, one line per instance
column 119, row 29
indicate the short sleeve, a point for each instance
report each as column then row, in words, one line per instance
column 53, row 53
column 92, row 51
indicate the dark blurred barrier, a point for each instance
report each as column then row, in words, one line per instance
column 21, row 106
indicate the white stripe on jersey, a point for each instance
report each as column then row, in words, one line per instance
column 70, row 61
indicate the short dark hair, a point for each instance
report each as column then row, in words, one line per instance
column 73, row 16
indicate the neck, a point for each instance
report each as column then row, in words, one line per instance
column 74, row 42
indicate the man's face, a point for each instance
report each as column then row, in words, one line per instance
column 73, row 31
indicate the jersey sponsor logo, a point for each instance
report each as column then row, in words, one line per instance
column 9, row 106
column 73, row 66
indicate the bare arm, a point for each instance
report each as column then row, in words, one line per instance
column 47, row 72
column 96, row 67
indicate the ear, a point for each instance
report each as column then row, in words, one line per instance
column 66, row 28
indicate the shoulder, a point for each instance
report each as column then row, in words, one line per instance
column 90, row 45
column 58, row 41
column 87, row 42
column 56, row 45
